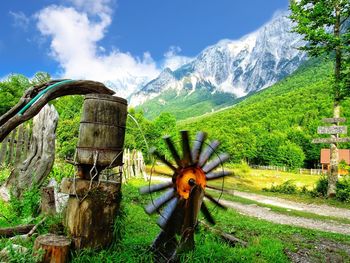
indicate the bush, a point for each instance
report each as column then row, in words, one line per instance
column 321, row 188
column 343, row 190
column 287, row 187
column 28, row 205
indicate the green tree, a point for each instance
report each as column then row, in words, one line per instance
column 324, row 24
column 290, row 155
column 11, row 90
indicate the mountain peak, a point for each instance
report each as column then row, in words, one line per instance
column 238, row 67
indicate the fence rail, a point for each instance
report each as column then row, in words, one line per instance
column 285, row 169
column 270, row 167
column 134, row 164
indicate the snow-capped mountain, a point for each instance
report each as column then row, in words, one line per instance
column 237, row 67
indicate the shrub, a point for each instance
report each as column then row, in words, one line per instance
column 321, row 187
column 287, row 187
column 28, row 205
column 343, row 190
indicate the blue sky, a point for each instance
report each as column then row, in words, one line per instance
column 98, row 39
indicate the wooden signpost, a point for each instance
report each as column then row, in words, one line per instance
column 334, row 139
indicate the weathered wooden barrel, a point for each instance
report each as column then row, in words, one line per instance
column 102, row 130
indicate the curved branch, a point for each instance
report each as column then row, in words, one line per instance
column 11, row 119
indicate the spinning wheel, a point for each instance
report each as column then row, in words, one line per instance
column 183, row 196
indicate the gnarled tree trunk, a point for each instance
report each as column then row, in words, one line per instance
column 35, row 168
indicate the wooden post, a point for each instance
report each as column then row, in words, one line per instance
column 91, row 212
column 334, row 139
column 56, row 248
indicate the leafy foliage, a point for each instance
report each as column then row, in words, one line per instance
column 287, row 187
column 343, row 190
column 320, row 189
column 325, row 26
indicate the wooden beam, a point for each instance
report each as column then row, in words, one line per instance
column 330, row 140
column 333, row 120
column 332, row 130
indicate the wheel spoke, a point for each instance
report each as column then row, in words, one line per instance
column 212, row 199
column 167, row 212
column 186, row 150
column 162, row 159
column 207, row 215
column 173, row 150
column 217, row 175
column 209, row 150
column 155, row 188
column 215, row 163
column 198, row 145
column 159, row 202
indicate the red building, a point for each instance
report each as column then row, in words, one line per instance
column 343, row 155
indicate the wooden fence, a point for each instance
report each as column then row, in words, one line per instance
column 15, row 146
column 270, row 167
column 285, row 169
column 310, row 171
column 134, row 164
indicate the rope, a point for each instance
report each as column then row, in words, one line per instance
column 41, row 93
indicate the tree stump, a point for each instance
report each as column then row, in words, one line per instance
column 56, row 248
column 91, row 211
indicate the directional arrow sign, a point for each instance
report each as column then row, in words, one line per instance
column 333, row 120
column 332, row 129
column 330, row 140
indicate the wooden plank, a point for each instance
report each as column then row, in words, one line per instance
column 332, row 130
column 333, row 120
column 26, row 139
column 19, row 145
column 330, row 140
column 11, row 146
column 3, row 150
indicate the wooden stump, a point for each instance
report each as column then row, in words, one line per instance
column 56, row 248
column 90, row 215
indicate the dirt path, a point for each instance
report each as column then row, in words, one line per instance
column 267, row 214
column 324, row 210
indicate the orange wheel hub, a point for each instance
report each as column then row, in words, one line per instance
column 188, row 176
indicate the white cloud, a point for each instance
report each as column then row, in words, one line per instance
column 74, row 45
column 75, row 32
column 92, row 6
column 20, row 19
column 173, row 60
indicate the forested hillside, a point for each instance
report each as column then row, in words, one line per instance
column 276, row 125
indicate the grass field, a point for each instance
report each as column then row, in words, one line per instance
column 245, row 178
column 253, row 180
column 267, row 242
